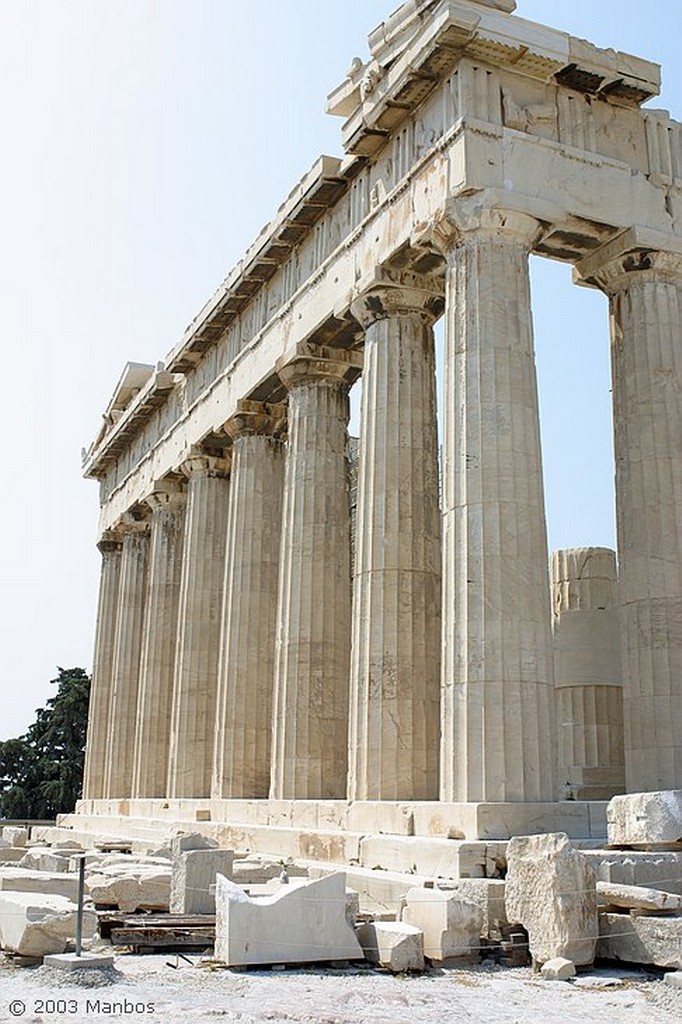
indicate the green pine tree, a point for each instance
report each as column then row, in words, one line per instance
column 41, row 773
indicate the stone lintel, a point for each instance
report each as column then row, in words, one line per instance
column 391, row 293
column 315, row 363
column 257, row 418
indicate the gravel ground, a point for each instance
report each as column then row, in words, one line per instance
column 151, row 988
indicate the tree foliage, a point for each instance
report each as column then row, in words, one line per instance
column 41, row 773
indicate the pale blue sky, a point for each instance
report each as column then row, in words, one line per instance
column 145, row 143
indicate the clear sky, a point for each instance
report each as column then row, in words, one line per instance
column 145, row 143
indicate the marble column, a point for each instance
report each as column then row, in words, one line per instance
column 312, row 660
column 498, row 705
column 152, row 740
column 100, row 691
column 125, row 668
column 195, row 683
column 645, row 292
column 587, row 672
column 243, row 736
column 395, row 660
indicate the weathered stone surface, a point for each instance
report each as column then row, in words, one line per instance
column 45, row 859
column 194, row 875
column 637, row 897
column 182, row 842
column 641, row 940
column 486, row 893
column 550, row 890
column 558, row 969
column 642, row 819
column 653, row 869
column 14, row 836
column 34, row 925
column 588, row 674
column 131, row 886
column 395, row 945
column 303, row 922
column 256, row 870
column 12, row 854
column 451, row 925
column 56, row 883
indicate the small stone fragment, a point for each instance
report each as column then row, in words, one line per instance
column 558, row 969
column 395, row 945
column 637, row 897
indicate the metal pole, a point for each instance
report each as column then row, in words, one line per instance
column 81, row 895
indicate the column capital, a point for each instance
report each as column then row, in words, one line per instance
column 314, row 364
column 619, row 271
column 467, row 220
column 393, row 293
column 252, row 418
column 130, row 525
column 198, row 464
column 166, row 494
column 110, row 542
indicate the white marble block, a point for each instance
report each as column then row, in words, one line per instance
column 32, row 924
column 303, row 922
column 451, row 925
column 395, row 945
column 194, row 875
column 551, row 891
column 643, row 819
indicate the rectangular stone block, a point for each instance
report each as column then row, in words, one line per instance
column 486, row 893
column 194, row 876
column 15, row 836
column 56, row 883
column 303, row 922
column 451, row 926
column 644, row 819
column 551, row 891
column 395, row 945
column 33, row 925
column 12, row 854
column 653, row 869
column 500, row 821
column 439, row 858
column 641, row 940
column 637, row 897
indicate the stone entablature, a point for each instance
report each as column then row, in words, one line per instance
column 474, row 138
column 486, row 123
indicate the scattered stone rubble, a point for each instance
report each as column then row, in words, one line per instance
column 564, row 905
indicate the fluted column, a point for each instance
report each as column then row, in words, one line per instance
column 125, row 669
column 310, row 723
column 195, row 684
column 100, row 690
column 588, row 675
column 395, row 661
column 244, row 731
column 152, row 740
column 498, row 708
column 645, row 291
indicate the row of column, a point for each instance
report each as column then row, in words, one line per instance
column 253, row 667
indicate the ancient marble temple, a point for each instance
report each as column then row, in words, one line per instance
column 247, row 654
